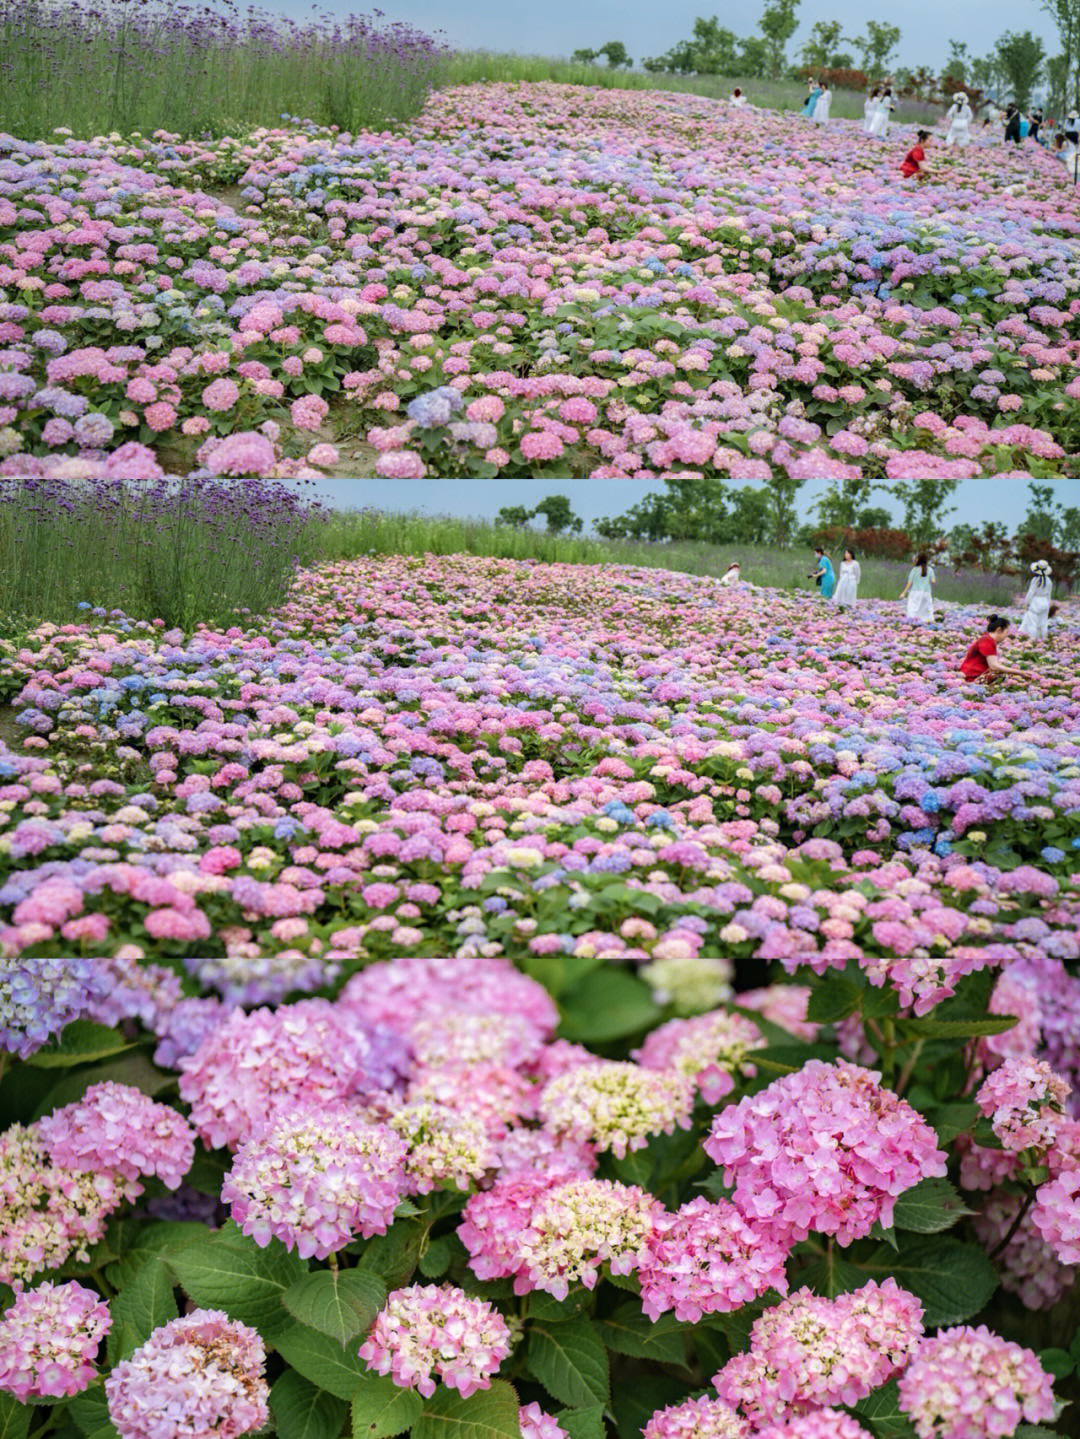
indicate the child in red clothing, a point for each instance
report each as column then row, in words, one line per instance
column 914, row 157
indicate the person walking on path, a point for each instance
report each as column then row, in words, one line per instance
column 982, row 664
column 824, row 574
column 850, row 575
column 920, row 595
column 1034, row 624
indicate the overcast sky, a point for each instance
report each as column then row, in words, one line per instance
column 558, row 27
column 975, row 500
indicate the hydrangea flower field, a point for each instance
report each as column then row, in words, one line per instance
column 537, row 279
column 526, row 1001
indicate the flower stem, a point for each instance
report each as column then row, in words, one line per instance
column 1029, row 1200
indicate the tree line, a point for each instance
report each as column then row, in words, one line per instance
column 1013, row 69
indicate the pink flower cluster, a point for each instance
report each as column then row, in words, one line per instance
column 431, row 1331
column 116, row 1129
column 197, row 1377
column 1024, row 1100
column 969, row 1383
column 709, row 1049
column 49, row 1341
column 536, row 1424
column 703, row 1418
column 826, row 1149
column 316, row 1178
column 252, row 1065
column 1056, row 1214
column 706, row 1259
column 1028, row 1265
column 808, row 1352
column 616, row 1105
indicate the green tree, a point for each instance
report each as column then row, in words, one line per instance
column 616, row 54
column 1021, row 58
column 821, row 47
column 1066, row 15
column 584, row 57
column 753, row 58
column 1057, row 79
column 957, row 63
column 874, row 517
column 777, row 25
column 876, row 47
column 516, row 515
column 559, row 515
column 842, row 501
column 781, row 492
column 751, row 516
column 710, row 51
column 923, row 502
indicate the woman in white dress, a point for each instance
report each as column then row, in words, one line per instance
column 738, row 99
column 732, row 575
column 821, row 109
column 850, row 575
column 959, row 120
column 1034, row 623
column 869, row 109
column 879, row 126
column 920, row 596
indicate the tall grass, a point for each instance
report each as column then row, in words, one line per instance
column 181, row 551
column 471, row 67
column 198, row 67
column 361, row 532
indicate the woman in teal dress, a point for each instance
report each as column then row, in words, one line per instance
column 812, row 98
column 824, row 575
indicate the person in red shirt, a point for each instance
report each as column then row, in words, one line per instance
column 914, row 157
column 982, row 664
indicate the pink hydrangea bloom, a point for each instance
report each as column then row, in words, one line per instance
column 706, row 1259
column 815, row 1424
column 47, row 1214
column 535, row 1424
column 315, row 1179
column 444, row 1146
column 1027, row 1265
column 616, row 1105
column 253, row 1064
column 1024, row 1100
column 49, row 1341
column 825, row 1149
column 116, row 1129
column 709, row 1050
column 435, row 1331
column 198, row 1377
column 808, row 1352
column 576, row 1227
column 401, row 992
column 968, row 1383
column 703, row 1418
column 1056, row 1215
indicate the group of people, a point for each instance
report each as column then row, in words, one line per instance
column 981, row 664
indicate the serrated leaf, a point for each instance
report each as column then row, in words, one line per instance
column 882, row 1410
column 606, row 1005
column 953, row 1280
column 539, row 1305
column 570, row 1361
column 131, row 1069
column 1035, row 1431
column 435, row 1260
column 583, row 1423
column 89, row 1411
column 393, row 1256
column 322, row 1360
column 80, row 1042
column 339, row 1303
column 208, row 1170
column 833, row 1275
column 141, row 1307
column 832, row 998
column 787, row 1058
column 930, row 1027
column 488, row 1414
column 711, row 1349
column 137, row 1242
column 952, row 1119
column 929, row 1207
column 303, row 1411
column 737, row 1325
column 878, row 1003
column 14, row 1417
column 628, row 1331
column 1058, row 1362
column 231, row 1272
column 381, row 1409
